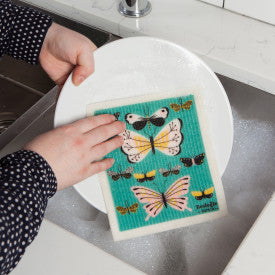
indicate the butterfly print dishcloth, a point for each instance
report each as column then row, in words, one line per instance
column 161, row 177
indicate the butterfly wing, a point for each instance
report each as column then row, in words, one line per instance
column 176, row 169
column 152, row 198
column 176, row 107
column 151, row 175
column 153, row 209
column 111, row 173
column 158, row 118
column 145, row 195
column 175, row 192
column 114, row 175
column 178, row 188
column 133, row 208
column 199, row 159
column 197, row 194
column 186, row 161
column 137, row 121
column 169, row 139
column 139, row 177
column 179, row 204
column 209, row 192
column 135, row 146
column 164, row 172
column 127, row 173
column 117, row 114
column 122, row 210
column 187, row 105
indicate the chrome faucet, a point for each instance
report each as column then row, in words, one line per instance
column 134, row 8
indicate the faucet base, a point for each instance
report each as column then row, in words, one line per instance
column 135, row 14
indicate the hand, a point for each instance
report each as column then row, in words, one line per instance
column 64, row 50
column 74, row 151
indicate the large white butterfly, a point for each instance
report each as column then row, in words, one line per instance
column 167, row 141
column 172, row 197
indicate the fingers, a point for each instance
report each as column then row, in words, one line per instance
column 99, row 166
column 89, row 123
column 100, row 151
column 85, row 65
column 104, row 132
column 106, row 147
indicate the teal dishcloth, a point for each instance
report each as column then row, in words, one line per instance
column 133, row 181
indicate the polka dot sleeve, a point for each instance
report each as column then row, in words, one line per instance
column 22, row 31
column 26, row 184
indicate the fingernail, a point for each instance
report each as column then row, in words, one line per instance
column 79, row 80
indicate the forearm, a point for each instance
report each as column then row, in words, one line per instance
column 26, row 184
column 22, row 31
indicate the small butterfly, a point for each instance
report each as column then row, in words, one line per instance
column 167, row 141
column 206, row 194
column 177, row 107
column 139, row 122
column 172, row 197
column 145, row 176
column 124, row 174
column 117, row 114
column 188, row 162
column 172, row 171
column 128, row 209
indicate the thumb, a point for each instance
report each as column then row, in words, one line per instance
column 84, row 66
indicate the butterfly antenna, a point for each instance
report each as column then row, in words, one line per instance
column 164, row 185
column 156, row 186
column 126, row 204
column 146, row 133
column 144, row 111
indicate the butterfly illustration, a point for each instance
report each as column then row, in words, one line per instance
column 139, row 122
column 170, row 171
column 128, row 209
column 156, row 200
column 181, row 106
column 149, row 176
column 205, row 194
column 188, row 162
column 121, row 174
column 168, row 141
column 117, row 114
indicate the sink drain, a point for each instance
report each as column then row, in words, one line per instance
column 6, row 119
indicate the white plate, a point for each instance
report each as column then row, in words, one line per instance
column 143, row 65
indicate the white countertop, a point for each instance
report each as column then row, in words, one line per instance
column 231, row 44
column 256, row 253
column 56, row 251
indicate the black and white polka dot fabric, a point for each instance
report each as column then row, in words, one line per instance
column 22, row 31
column 26, row 184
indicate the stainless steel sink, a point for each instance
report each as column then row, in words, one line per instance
column 205, row 248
